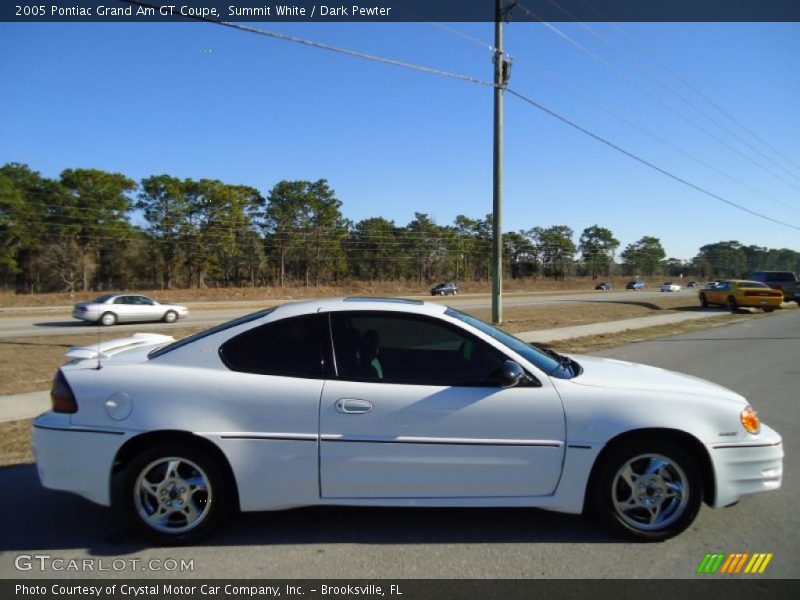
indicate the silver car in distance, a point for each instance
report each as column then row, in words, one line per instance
column 111, row 309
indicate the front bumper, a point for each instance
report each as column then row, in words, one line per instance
column 747, row 467
column 75, row 459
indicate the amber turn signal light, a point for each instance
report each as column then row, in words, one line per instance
column 750, row 420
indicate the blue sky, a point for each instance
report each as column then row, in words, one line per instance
column 198, row 100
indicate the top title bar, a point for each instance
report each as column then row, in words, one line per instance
column 403, row 10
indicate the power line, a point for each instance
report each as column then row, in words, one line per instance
column 654, row 97
column 645, row 162
column 476, row 81
column 689, row 85
column 564, row 86
column 659, row 81
column 330, row 48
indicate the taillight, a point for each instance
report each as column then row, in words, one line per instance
column 62, row 396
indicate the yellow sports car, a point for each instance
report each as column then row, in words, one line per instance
column 734, row 293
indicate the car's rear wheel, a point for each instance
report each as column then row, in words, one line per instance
column 176, row 494
column 732, row 305
column 170, row 316
column 108, row 319
column 648, row 491
column 703, row 300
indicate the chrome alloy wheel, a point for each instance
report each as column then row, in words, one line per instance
column 650, row 492
column 172, row 495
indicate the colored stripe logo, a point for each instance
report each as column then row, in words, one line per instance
column 734, row 563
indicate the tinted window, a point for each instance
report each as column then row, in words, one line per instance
column 780, row 277
column 289, row 347
column 202, row 334
column 548, row 363
column 410, row 349
column 123, row 300
column 143, row 300
column 103, row 299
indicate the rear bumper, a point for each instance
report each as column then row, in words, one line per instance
column 86, row 315
column 747, row 468
column 757, row 302
column 75, row 459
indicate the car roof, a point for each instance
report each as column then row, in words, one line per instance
column 358, row 303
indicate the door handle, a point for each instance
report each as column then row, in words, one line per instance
column 353, row 406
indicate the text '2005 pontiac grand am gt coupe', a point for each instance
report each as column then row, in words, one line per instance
column 384, row 402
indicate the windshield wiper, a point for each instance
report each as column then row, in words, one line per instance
column 564, row 362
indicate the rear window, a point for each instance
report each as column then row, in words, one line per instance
column 752, row 284
column 198, row 336
column 774, row 276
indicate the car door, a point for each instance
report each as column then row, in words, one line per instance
column 268, row 416
column 719, row 295
column 145, row 309
column 412, row 413
column 125, row 309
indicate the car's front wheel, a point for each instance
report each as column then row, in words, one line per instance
column 703, row 300
column 176, row 494
column 648, row 491
column 732, row 305
column 170, row 316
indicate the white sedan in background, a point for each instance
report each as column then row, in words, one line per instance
column 387, row 402
column 668, row 286
column 127, row 308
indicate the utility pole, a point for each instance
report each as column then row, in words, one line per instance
column 501, row 73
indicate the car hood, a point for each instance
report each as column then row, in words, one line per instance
column 612, row 373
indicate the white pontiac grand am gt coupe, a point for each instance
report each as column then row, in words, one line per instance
column 383, row 402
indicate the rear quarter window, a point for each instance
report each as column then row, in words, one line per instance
column 289, row 348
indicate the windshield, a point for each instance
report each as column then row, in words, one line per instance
column 549, row 361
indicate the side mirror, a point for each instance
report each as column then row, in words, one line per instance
column 511, row 374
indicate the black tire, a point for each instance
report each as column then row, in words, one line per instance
column 170, row 316
column 213, row 502
column 703, row 301
column 609, row 490
column 108, row 319
column 732, row 305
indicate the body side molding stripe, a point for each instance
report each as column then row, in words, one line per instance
column 79, row 430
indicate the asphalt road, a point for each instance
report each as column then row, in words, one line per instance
column 758, row 358
column 64, row 324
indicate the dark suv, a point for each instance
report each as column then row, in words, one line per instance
column 786, row 281
column 444, row 289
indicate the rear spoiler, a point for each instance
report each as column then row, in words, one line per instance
column 111, row 347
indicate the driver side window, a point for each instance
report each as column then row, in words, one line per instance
column 400, row 348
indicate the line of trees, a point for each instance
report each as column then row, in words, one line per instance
column 94, row 230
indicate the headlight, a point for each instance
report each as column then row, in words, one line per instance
column 750, row 420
